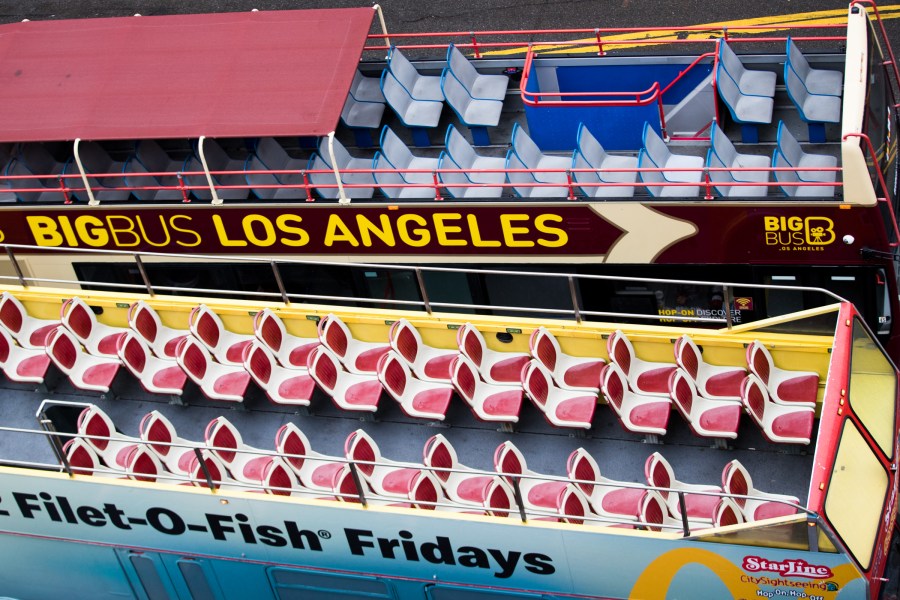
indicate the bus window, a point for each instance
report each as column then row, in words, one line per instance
column 882, row 304
column 856, row 495
column 782, row 302
column 298, row 584
column 873, row 388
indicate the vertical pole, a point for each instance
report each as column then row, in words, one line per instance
column 87, row 186
column 143, row 272
column 16, row 267
column 209, row 179
column 423, row 291
column 387, row 40
column 280, row 282
column 343, row 199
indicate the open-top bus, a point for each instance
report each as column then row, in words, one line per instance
column 241, row 158
column 526, row 465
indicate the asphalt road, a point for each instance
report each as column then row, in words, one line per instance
column 432, row 15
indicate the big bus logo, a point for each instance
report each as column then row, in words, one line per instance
column 797, row 233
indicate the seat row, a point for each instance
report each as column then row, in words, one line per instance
column 749, row 94
column 439, row 482
column 711, row 398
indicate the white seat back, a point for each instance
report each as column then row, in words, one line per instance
column 455, row 92
column 722, row 147
column 390, row 177
column 458, row 147
column 394, row 150
column 655, row 148
column 452, row 177
column 650, row 177
column 461, row 67
column 796, row 90
column 728, row 88
column 730, row 61
column 796, row 60
column 526, row 180
column 404, row 72
column 525, row 149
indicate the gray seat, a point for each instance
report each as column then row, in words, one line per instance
column 95, row 161
column 392, row 183
column 528, row 154
column 453, row 174
column 321, row 160
column 44, row 189
column 656, row 155
column 813, row 108
column 364, row 106
column 217, row 160
column 816, row 81
column 420, row 87
column 723, row 155
column 524, row 183
column 271, row 156
column 149, row 157
column 749, row 82
column 476, row 98
column 401, row 158
column 462, row 156
column 744, row 108
column 789, row 154
column 589, row 154
column 411, row 111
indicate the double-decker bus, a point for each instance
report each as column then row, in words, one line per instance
column 242, row 158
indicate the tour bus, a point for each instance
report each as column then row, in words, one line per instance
column 747, row 155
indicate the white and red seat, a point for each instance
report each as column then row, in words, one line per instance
column 97, row 338
column 779, row 423
column 427, row 362
column 30, row 332
column 156, row 375
column 463, row 485
column 718, row 382
column 607, row 497
column 25, row 365
column 504, row 368
column 282, row 385
column 562, row 408
column 346, row 490
column 227, row 346
column 176, row 453
column 698, row 498
column 638, row 413
column 655, row 514
column 644, row 377
column 314, row 471
column 707, row 418
column 785, row 387
column 388, row 478
column 727, row 513
column 417, row 398
column 212, row 466
column 290, row 350
column 83, row 459
column 216, row 381
column 349, row 391
column 113, row 448
column 762, row 505
column 85, row 371
column 488, row 401
column 561, row 499
column 569, row 372
column 259, row 469
column 357, row 356
column 162, row 339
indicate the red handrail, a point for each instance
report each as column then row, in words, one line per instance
column 885, row 38
column 881, row 182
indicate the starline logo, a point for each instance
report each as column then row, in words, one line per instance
column 789, row 568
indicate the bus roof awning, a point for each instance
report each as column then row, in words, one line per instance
column 248, row 74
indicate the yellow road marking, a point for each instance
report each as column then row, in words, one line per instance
column 770, row 24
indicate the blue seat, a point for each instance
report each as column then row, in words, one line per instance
column 824, row 82
column 461, row 156
column 417, row 99
column 271, row 156
column 217, row 160
column 749, row 95
column 321, row 161
column 789, row 154
column 149, row 157
column 814, row 109
column 364, row 107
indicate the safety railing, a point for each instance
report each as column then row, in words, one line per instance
column 68, row 185
column 227, row 482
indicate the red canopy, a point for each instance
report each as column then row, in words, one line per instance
column 248, row 74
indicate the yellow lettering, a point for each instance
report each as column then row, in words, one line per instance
column 190, row 231
column 510, row 231
column 819, row 231
column 477, row 240
column 423, row 236
column 90, row 230
column 442, row 230
column 44, row 231
column 223, row 236
column 338, row 231
column 770, row 223
column 71, row 238
column 561, row 237
column 794, row 223
column 250, row 234
column 115, row 231
column 282, row 222
column 165, row 230
column 367, row 229
column 771, row 238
